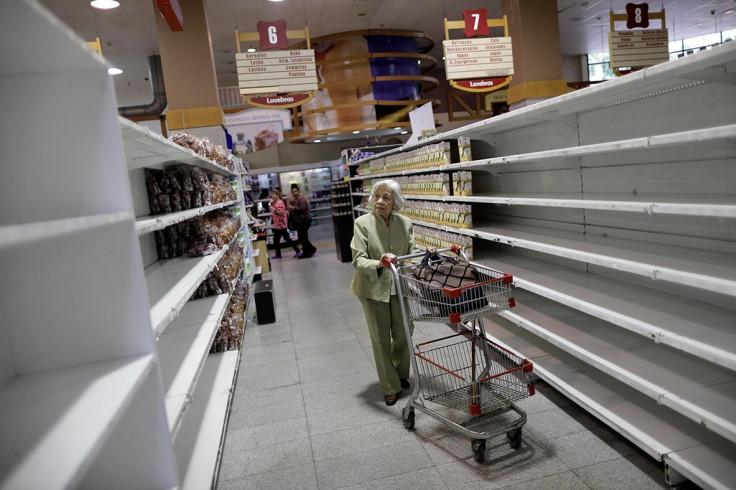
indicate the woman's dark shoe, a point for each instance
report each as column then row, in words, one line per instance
column 405, row 383
column 391, row 399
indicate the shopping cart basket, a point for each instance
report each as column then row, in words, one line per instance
column 465, row 372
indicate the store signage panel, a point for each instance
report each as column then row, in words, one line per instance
column 638, row 48
column 473, row 58
column 276, row 71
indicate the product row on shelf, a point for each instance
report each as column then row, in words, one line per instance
column 614, row 214
column 341, row 201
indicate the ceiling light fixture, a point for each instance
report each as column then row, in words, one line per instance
column 316, row 141
column 251, row 50
column 356, row 132
column 105, row 4
column 275, row 0
column 114, row 71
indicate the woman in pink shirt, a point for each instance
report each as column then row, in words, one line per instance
column 278, row 213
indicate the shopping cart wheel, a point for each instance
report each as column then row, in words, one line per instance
column 514, row 437
column 479, row 449
column 408, row 415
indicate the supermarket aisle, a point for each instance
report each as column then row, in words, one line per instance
column 308, row 414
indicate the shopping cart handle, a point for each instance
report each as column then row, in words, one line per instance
column 456, row 292
column 386, row 262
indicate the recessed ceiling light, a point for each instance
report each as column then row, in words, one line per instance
column 397, row 127
column 114, row 71
column 275, row 0
column 404, row 132
column 251, row 50
column 356, row 132
column 105, row 4
column 316, row 141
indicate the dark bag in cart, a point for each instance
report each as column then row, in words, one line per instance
column 441, row 271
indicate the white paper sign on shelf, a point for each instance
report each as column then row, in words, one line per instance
column 422, row 119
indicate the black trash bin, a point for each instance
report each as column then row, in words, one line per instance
column 265, row 306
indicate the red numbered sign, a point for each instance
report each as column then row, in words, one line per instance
column 272, row 34
column 476, row 23
column 637, row 15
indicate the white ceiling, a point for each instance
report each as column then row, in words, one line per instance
column 129, row 37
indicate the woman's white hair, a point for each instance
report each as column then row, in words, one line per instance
column 395, row 190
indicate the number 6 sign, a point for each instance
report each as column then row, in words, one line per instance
column 272, row 34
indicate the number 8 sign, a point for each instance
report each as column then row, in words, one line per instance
column 637, row 15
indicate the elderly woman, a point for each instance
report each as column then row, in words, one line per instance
column 378, row 235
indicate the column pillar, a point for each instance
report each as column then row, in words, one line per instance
column 535, row 35
column 189, row 75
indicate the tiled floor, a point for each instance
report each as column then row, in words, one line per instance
column 307, row 412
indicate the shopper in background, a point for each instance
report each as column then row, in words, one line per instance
column 383, row 234
column 278, row 213
column 301, row 220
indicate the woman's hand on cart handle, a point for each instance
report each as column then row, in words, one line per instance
column 388, row 259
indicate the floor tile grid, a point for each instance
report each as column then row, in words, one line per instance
column 308, row 413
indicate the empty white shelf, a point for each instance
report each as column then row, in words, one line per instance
column 707, row 270
column 657, row 430
column 725, row 208
column 183, row 349
column 172, row 282
column 15, row 235
column 698, row 328
column 662, row 374
column 198, row 445
column 42, row 415
column 147, row 224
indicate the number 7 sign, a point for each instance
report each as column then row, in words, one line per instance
column 476, row 23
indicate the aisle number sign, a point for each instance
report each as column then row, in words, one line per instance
column 637, row 48
column 478, row 63
column 276, row 77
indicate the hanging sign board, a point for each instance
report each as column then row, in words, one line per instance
column 276, row 77
column 478, row 63
column 473, row 58
column 267, row 72
column 637, row 47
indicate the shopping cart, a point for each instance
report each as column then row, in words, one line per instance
column 464, row 371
